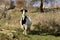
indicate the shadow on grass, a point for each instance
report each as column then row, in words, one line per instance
column 44, row 30
column 54, row 34
column 41, row 33
column 34, row 32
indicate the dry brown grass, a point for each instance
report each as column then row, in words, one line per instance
column 47, row 21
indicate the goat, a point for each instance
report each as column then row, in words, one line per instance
column 25, row 22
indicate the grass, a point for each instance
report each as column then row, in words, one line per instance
column 45, row 26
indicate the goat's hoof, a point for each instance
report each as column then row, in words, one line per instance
column 24, row 33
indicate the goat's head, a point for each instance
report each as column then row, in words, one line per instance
column 23, row 10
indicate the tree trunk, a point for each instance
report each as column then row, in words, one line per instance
column 41, row 6
column 12, row 6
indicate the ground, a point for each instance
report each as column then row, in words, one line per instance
column 10, row 27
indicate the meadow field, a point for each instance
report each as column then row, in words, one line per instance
column 45, row 26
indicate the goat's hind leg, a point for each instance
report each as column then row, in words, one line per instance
column 28, row 29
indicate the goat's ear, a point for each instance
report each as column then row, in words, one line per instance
column 25, row 10
column 21, row 10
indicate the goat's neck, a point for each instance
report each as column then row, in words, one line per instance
column 23, row 15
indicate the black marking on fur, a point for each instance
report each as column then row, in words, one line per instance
column 24, row 21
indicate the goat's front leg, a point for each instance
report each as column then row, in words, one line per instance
column 25, row 30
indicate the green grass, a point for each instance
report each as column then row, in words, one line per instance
column 30, row 37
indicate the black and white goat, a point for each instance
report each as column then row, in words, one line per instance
column 25, row 22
